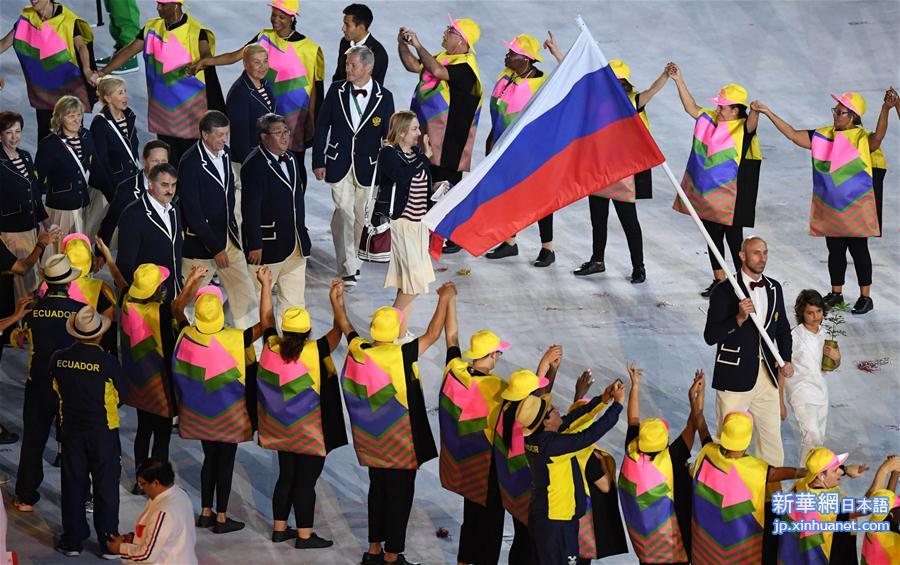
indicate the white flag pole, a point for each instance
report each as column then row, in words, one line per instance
column 721, row 260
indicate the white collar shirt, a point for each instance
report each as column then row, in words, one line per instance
column 163, row 212
column 359, row 102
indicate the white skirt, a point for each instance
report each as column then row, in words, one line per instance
column 410, row 268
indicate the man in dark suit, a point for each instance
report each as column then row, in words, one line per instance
column 129, row 190
column 746, row 373
column 357, row 21
column 211, row 237
column 150, row 230
column 354, row 120
column 274, row 218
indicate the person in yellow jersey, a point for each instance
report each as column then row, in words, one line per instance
column 884, row 546
column 88, row 380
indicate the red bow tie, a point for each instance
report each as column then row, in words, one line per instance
column 359, row 92
column 285, row 158
column 755, row 285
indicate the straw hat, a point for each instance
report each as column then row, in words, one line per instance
column 532, row 411
column 87, row 323
column 58, row 270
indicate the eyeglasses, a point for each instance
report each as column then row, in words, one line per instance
column 284, row 131
column 837, row 112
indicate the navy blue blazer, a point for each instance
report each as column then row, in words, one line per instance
column 207, row 203
column 738, row 347
column 245, row 105
column 143, row 238
column 21, row 208
column 127, row 192
column 274, row 216
column 337, row 146
column 395, row 174
column 60, row 177
column 118, row 154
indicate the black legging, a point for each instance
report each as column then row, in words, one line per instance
column 627, row 213
column 391, row 493
column 545, row 227
column 216, row 473
column 296, row 486
column 837, row 259
column 735, row 237
column 157, row 427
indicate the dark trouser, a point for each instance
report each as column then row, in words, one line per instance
column 522, row 549
column 177, row 147
column 157, row 427
column 735, row 237
column 216, row 473
column 40, row 409
column 90, row 458
column 296, row 486
column 391, row 494
column 481, row 533
column 558, row 543
column 545, row 227
column 837, row 259
column 627, row 213
column 43, row 123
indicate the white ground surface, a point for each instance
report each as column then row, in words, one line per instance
column 788, row 54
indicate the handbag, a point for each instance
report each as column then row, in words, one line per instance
column 375, row 243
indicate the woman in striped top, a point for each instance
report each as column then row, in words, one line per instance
column 115, row 134
column 404, row 192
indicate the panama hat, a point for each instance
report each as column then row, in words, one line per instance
column 87, row 323
column 58, row 270
column 531, row 412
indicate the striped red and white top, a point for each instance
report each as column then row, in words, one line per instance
column 75, row 144
column 19, row 164
column 417, row 204
column 265, row 96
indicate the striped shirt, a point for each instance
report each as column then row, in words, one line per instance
column 265, row 96
column 164, row 532
column 417, row 204
column 19, row 164
column 75, row 144
column 123, row 128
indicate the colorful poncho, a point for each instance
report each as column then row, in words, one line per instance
column 729, row 508
column 431, row 103
column 647, row 493
column 513, row 474
column 292, row 399
column 468, row 410
column 510, row 96
column 177, row 101
column 711, row 178
column 146, row 372
column 625, row 190
column 294, row 69
column 208, row 372
column 843, row 201
column 881, row 547
column 46, row 51
column 807, row 547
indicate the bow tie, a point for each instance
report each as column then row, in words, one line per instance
column 285, row 158
column 359, row 91
column 755, row 285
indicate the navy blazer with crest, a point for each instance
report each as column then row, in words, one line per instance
column 60, row 177
column 207, row 203
column 143, row 238
column 244, row 106
column 738, row 347
column 118, row 154
column 272, row 208
column 21, row 208
column 337, row 146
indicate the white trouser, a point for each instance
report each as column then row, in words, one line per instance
column 240, row 296
column 763, row 403
column 347, row 222
column 811, row 419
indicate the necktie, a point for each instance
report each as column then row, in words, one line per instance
column 284, row 158
column 755, row 285
column 359, row 92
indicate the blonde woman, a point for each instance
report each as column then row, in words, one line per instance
column 404, row 195
column 115, row 135
column 66, row 162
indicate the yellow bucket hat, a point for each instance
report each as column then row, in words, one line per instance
column 737, row 431
column 296, row 320
column 531, row 412
column 289, row 7
column 731, row 94
column 209, row 315
column 527, row 46
column 77, row 248
column 853, row 101
column 147, row 278
column 621, row 70
column 385, row 326
column 483, row 343
column 653, row 435
column 468, row 29
column 521, row 384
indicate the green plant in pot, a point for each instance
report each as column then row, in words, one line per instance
column 832, row 324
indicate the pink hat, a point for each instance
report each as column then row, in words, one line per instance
column 210, row 289
column 853, row 101
column 289, row 7
column 72, row 236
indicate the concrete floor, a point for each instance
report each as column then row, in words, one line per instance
column 787, row 54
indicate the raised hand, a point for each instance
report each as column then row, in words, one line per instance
column 758, row 106
column 583, row 384
column 634, row 372
column 264, row 276
column 673, row 71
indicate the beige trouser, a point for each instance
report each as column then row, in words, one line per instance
column 21, row 244
column 290, row 278
column 238, row 217
column 94, row 213
column 347, row 222
column 763, row 403
column 235, row 278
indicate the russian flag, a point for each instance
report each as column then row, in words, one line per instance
column 579, row 133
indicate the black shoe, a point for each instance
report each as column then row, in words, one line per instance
column 284, row 535
column 401, row 560
column 313, row 542
column 137, row 490
column 372, row 559
column 67, row 550
column 349, row 281
column 590, row 268
column 206, row 521
column 709, row 290
column 7, row 437
column 863, row 305
column 57, row 461
column 451, row 248
column 227, row 526
column 503, row 250
column 638, row 275
column 832, row 299
column 545, row 258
